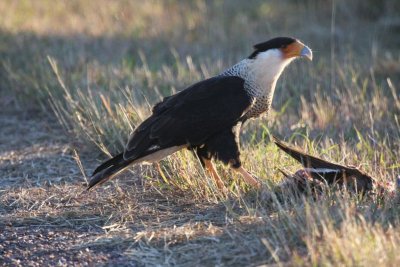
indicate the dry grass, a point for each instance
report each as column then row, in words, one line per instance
column 98, row 68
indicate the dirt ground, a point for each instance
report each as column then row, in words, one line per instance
column 36, row 157
column 46, row 220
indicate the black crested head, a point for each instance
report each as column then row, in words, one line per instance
column 277, row 42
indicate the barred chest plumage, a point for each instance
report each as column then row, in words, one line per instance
column 261, row 89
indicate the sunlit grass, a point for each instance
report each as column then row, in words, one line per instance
column 101, row 67
column 329, row 229
column 106, row 117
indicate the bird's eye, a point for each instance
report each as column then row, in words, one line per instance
column 283, row 46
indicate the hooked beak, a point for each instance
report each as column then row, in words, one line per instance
column 306, row 52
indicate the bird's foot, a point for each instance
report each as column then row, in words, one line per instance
column 249, row 178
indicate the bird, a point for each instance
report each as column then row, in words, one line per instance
column 207, row 117
column 318, row 172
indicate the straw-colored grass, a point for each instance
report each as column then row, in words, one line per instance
column 78, row 76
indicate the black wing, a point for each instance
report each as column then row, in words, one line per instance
column 191, row 116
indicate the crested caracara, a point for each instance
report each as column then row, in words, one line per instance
column 207, row 116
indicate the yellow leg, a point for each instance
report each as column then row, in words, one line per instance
column 211, row 169
column 248, row 177
column 162, row 173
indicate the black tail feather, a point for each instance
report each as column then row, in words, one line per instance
column 106, row 171
column 118, row 159
column 111, row 167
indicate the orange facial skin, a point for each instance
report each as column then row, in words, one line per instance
column 296, row 49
